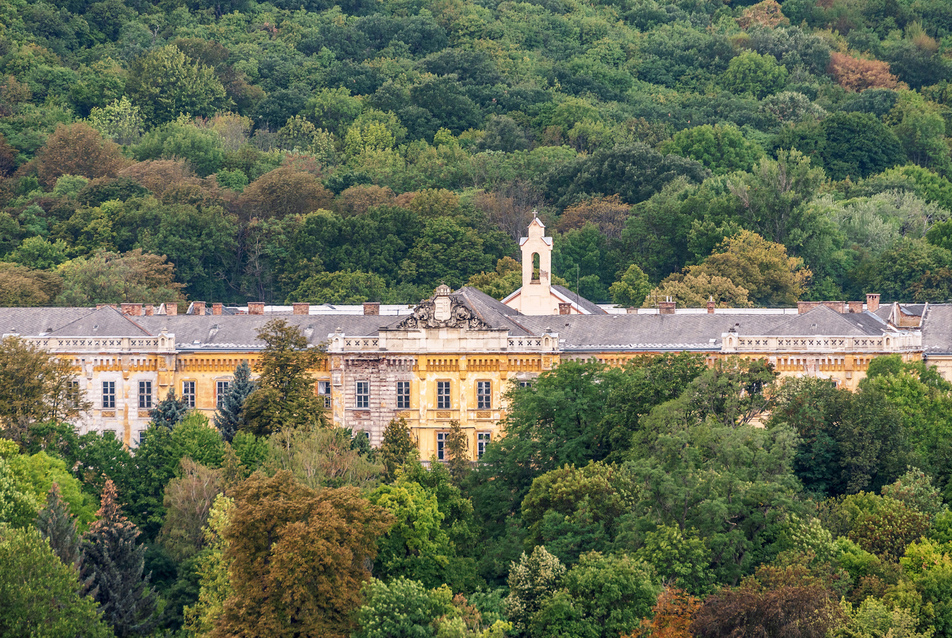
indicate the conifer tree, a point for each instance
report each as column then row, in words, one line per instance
column 56, row 524
column 115, row 562
column 230, row 415
column 397, row 446
column 169, row 411
column 457, row 446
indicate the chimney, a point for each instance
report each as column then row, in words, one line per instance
column 872, row 302
column 806, row 306
column 565, row 308
column 255, row 307
column 196, row 308
column 131, row 309
column 300, row 308
column 632, row 310
column 838, row 306
column 666, row 307
column 711, row 304
column 216, row 308
column 856, row 306
column 149, row 310
column 171, row 309
column 371, row 308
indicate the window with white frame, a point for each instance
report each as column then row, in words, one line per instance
column 443, row 395
column 403, row 395
column 362, row 394
column 525, row 384
column 482, row 440
column 73, row 395
column 108, row 395
column 188, row 393
column 484, row 395
column 324, row 390
column 441, row 438
column 221, row 391
column 145, row 395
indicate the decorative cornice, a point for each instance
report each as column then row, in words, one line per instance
column 461, row 316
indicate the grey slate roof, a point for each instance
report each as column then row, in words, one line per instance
column 826, row 321
column 241, row 331
column 106, row 321
column 646, row 332
column 492, row 311
column 583, row 303
column 34, row 322
column 937, row 329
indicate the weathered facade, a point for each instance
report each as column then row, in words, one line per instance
column 453, row 356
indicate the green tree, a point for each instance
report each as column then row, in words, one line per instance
column 532, row 580
column 40, row 595
column 164, row 84
column 214, row 585
column 77, row 149
column 115, row 562
column 297, row 558
column 58, row 526
column 107, row 277
column 169, row 411
column 34, row 387
column 119, row 121
column 858, row 145
column 755, row 74
column 722, row 149
column 230, row 415
column 346, row 287
column 284, row 394
column 416, row 546
column 188, row 500
column 397, row 448
column 325, row 457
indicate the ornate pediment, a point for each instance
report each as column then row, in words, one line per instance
column 432, row 313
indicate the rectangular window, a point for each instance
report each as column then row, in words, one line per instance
column 441, row 446
column 482, row 440
column 324, row 390
column 145, row 395
column 443, row 395
column 484, row 395
column 73, row 397
column 221, row 391
column 363, row 394
column 188, row 393
column 525, row 384
column 108, row 395
column 403, row 395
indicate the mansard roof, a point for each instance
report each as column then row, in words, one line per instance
column 647, row 332
column 581, row 302
column 937, row 329
column 826, row 321
column 105, row 321
column 35, row 322
column 241, row 331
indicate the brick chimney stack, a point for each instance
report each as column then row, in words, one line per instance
column 872, row 302
column 371, row 308
column 216, row 308
column 667, row 307
column 631, row 310
column 565, row 308
column 171, row 309
column 255, row 307
column 197, row 308
column 149, row 310
column 302, row 308
column 856, row 306
column 131, row 309
column 711, row 304
column 806, row 306
column 838, row 306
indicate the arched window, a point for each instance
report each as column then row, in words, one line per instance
column 535, row 266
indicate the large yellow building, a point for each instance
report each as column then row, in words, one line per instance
column 452, row 357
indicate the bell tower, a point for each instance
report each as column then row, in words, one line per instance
column 535, row 298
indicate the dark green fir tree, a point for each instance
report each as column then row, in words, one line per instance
column 169, row 411
column 114, row 562
column 230, row 415
column 57, row 525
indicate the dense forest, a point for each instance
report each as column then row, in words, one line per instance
column 663, row 499
column 296, row 151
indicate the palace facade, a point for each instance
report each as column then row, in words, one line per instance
column 451, row 357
